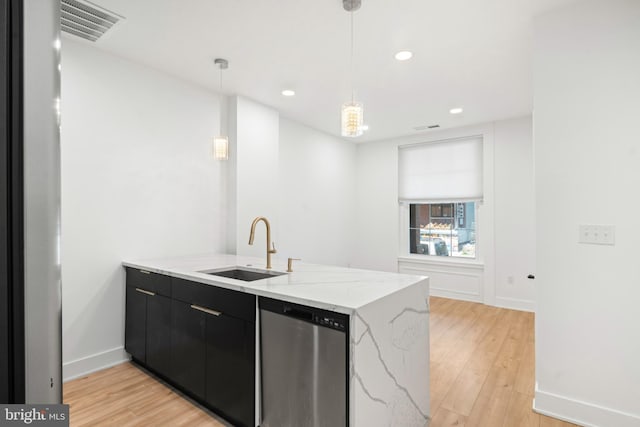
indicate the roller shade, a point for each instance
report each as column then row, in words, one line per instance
column 448, row 170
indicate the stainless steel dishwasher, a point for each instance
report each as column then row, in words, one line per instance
column 304, row 365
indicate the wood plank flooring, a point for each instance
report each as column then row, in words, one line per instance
column 482, row 367
column 482, row 374
column 126, row 395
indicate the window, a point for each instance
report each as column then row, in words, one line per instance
column 443, row 229
column 441, row 184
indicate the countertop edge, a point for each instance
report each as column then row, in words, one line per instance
column 223, row 283
column 225, row 261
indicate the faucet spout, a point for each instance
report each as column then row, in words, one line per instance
column 252, row 234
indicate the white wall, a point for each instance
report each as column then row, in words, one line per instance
column 138, row 181
column 514, row 213
column 377, row 231
column 257, row 134
column 317, row 192
column 301, row 179
column 586, row 91
column 506, row 220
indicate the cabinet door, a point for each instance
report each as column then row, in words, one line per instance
column 152, row 282
column 232, row 303
column 135, row 324
column 231, row 367
column 159, row 333
column 188, row 348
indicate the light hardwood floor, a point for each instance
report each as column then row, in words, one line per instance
column 125, row 395
column 482, row 367
column 482, row 374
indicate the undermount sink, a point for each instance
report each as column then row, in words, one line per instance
column 244, row 275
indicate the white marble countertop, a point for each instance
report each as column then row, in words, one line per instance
column 339, row 289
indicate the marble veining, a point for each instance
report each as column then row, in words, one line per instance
column 389, row 327
column 390, row 363
column 388, row 371
column 332, row 288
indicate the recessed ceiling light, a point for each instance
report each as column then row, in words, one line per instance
column 365, row 127
column 403, row 55
column 457, row 110
column 288, row 92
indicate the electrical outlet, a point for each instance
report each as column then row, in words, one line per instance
column 510, row 280
column 597, row 234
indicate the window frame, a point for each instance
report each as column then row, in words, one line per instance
column 404, row 250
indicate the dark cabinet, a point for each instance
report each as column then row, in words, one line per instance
column 201, row 338
column 188, row 348
column 135, row 339
column 231, row 303
column 213, row 357
column 158, row 333
column 147, row 328
column 230, row 384
column 152, row 282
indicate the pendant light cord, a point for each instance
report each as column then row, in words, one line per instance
column 352, row 66
column 220, row 82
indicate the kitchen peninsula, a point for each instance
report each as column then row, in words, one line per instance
column 386, row 329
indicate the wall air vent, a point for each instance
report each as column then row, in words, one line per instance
column 425, row 127
column 86, row 20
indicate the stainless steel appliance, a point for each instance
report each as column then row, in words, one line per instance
column 304, row 365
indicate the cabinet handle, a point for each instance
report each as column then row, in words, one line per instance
column 206, row 310
column 145, row 292
column 144, row 272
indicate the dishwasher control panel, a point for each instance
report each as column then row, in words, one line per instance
column 317, row 316
column 330, row 322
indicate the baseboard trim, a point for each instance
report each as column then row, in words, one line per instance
column 95, row 362
column 459, row 295
column 515, row 304
column 579, row 412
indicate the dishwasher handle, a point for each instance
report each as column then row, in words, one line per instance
column 298, row 313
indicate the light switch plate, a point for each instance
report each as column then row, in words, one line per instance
column 586, row 232
column 607, row 235
column 597, row 234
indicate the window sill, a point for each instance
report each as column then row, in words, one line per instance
column 442, row 261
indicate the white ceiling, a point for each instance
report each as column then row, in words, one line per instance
column 475, row 54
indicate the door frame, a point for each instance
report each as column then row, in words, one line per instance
column 12, row 332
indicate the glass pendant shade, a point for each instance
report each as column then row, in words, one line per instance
column 221, row 147
column 352, row 119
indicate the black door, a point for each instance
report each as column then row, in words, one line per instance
column 188, row 347
column 230, row 367
column 12, row 372
column 159, row 333
column 136, row 324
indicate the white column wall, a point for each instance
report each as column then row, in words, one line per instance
column 256, row 145
column 514, row 214
column 301, row 179
column 317, row 192
column 586, row 91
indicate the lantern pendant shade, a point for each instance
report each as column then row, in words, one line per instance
column 221, row 147
column 352, row 119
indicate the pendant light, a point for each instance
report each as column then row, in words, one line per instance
column 221, row 142
column 352, row 112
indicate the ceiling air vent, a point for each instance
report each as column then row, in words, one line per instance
column 86, row 20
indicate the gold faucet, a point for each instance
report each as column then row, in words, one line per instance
column 253, row 233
